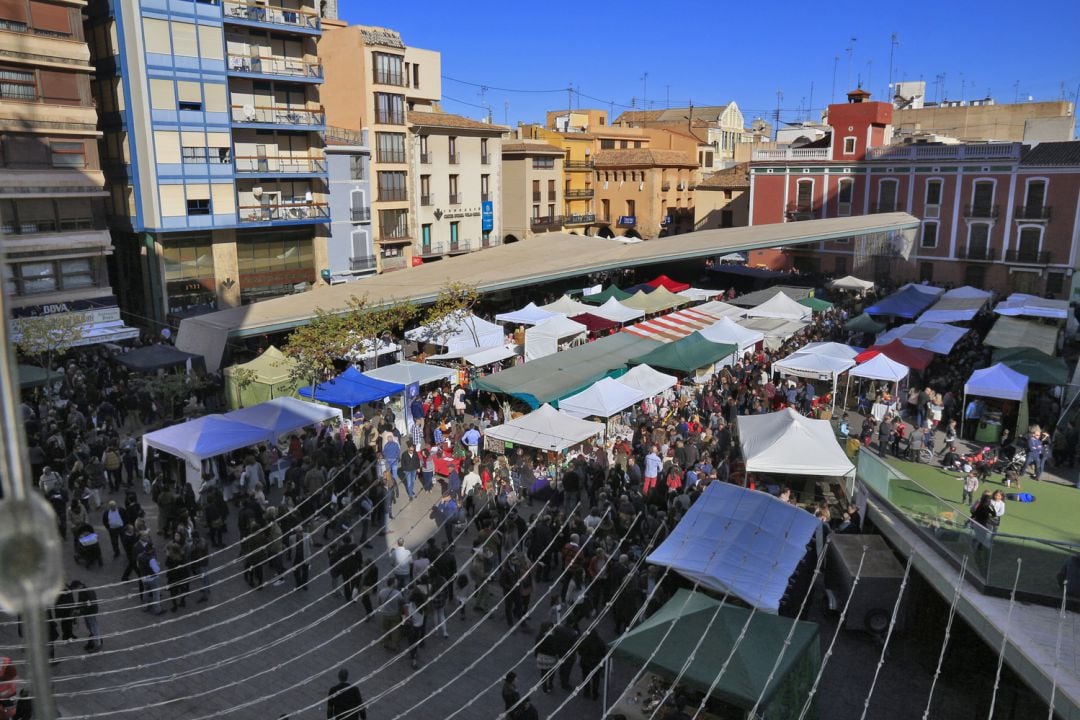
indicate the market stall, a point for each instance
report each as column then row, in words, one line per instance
column 936, row 337
column 781, row 307
column 595, row 324
column 151, row 358
column 914, row 358
column 351, row 389
column 407, row 372
column 811, row 366
column 758, row 297
column 726, row 330
column 271, row 377
column 203, row 438
column 1001, row 383
column 1040, row 368
column 658, row 300
column 663, row 281
column 606, row 294
column 546, row 429
column 816, row 304
column 284, row 415
column 1011, row 332
column 460, row 333
column 776, row 330
column 908, row 302
column 693, row 355
column 1033, row 306
column 672, row 326
column 647, row 380
column 550, row 336
column 882, row 368
column 786, row 443
column 850, row 282
column 615, row 311
column 699, row 294
column 863, row 323
column 603, row 399
column 961, row 304
column 528, row 315
column 567, row 306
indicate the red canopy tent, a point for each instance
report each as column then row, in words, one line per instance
column 595, row 323
column 672, row 285
column 915, row 358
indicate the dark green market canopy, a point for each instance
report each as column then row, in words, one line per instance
column 864, row 323
column 1040, row 368
column 603, row 296
column 686, row 355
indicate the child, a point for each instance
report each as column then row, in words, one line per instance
column 971, row 486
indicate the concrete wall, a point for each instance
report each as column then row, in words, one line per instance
column 980, row 122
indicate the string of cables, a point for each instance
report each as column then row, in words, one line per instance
column 947, row 635
column 1057, row 645
column 1005, row 638
column 888, row 636
column 250, row 676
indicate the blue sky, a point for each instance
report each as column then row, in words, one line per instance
column 711, row 52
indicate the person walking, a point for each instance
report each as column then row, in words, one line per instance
column 86, row 607
column 303, row 549
column 390, row 603
column 410, row 466
column 344, row 701
column 113, row 521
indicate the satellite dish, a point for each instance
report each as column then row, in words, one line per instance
column 257, row 191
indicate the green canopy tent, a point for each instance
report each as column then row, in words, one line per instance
column 864, row 324
column 32, row 376
column 271, row 380
column 1040, row 368
column 658, row 300
column 607, row 293
column 816, row 304
column 691, row 353
column 692, row 620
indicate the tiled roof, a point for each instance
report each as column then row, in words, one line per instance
column 535, row 148
column 639, row 115
column 1053, row 153
column 447, row 120
column 643, row 157
column 734, row 178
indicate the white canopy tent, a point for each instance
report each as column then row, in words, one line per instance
column 997, row 381
column 1033, row 306
column 850, row 282
column 569, row 307
column 604, row 398
column 958, row 305
column 719, row 309
column 615, row 311
column 369, row 349
column 407, row 372
column 787, row 443
column 203, row 438
column 776, row 330
column 698, row 294
column 933, row 336
column 528, row 315
column 732, row 258
column 546, row 429
column 814, row 367
column 545, row 338
column 832, row 349
column 284, row 415
column 879, row 367
column 647, row 380
column 461, row 333
column 726, row 330
column 781, row 307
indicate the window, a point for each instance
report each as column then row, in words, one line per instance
column 929, row 235
column 485, row 188
column 607, row 144
column 389, row 109
column 356, row 167
column 933, row 199
column 982, row 199
column 392, row 186
column 804, row 196
column 637, row 144
column 38, row 277
column 76, row 273
column 425, row 235
column 200, row 206
column 424, row 158
column 390, row 147
column 623, row 144
column 841, row 265
column 1027, row 247
column 979, row 241
column 190, row 105
column 551, row 190
column 1055, row 283
column 68, row 154
column 975, row 275
column 452, row 145
column 455, row 198
column 17, row 85
column 843, row 196
column 926, row 272
column 485, row 159
column 631, row 208
column 849, row 146
column 887, row 195
column 394, row 224
column 543, row 163
column 388, row 69
column 536, row 190
column 193, row 155
column 50, row 20
column 1035, row 199
column 536, row 211
column 551, row 210
column 416, row 75
column 454, row 237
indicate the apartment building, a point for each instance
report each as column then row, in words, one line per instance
column 52, row 191
column 374, row 82
column 532, row 187
column 212, row 147
column 457, row 168
column 722, row 199
column 720, row 129
column 1000, row 216
column 645, row 193
column 350, row 250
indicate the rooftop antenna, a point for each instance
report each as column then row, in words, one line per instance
column 1016, row 92
column 810, row 105
column 645, row 91
column 835, row 62
column 894, row 42
column 506, row 113
column 850, row 50
column 779, row 99
column 869, row 70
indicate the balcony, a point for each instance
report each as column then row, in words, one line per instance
column 886, row 207
column 578, row 165
column 392, row 195
column 981, row 212
column 981, row 151
column 1027, row 257
column 578, row 193
column 284, row 212
column 455, row 199
column 546, row 222
column 553, row 196
column 461, row 246
column 580, row 219
column 977, row 254
column 276, row 66
column 537, row 196
column 490, row 242
column 454, row 159
column 280, row 165
column 485, row 197
column 427, row 200
column 1033, row 213
column 361, row 214
column 791, row 154
column 277, row 115
column 425, row 158
column 364, row 262
column 800, row 211
column 302, row 19
column 485, row 159
column 53, row 224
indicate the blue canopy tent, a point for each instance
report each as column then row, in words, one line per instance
column 739, row 541
column 643, row 287
column 907, row 303
column 746, row 271
column 284, row 415
column 203, row 438
column 352, row 388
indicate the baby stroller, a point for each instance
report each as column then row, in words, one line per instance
column 87, row 549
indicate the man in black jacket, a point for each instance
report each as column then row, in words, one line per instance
column 344, row 702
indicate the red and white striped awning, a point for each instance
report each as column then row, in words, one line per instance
column 673, row 326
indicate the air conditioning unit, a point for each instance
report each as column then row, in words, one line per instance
column 871, row 600
column 257, row 191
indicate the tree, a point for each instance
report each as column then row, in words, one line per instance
column 243, row 378
column 452, row 306
column 365, row 324
column 47, row 336
column 314, row 348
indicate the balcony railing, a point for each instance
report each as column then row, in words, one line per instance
column 275, row 65
column 485, row 197
column 280, row 164
column 51, row 225
column 383, row 77
column 297, row 18
column 425, row 158
column 977, row 254
column 552, row 196
column 277, row 115
column 578, row 165
column 792, row 154
column 427, row 200
column 1027, row 257
column 985, row 212
column 490, row 242
column 361, row 214
column 284, row 212
column 580, row 219
column 455, row 198
column 431, row 249
column 537, row 196
column 364, row 262
column 485, row 159
column 576, row 193
column 800, row 211
column 454, row 158
column 1032, row 213
column 547, row 221
column 981, row 151
column 886, row 207
column 391, row 118
column 392, row 194
column 461, row 246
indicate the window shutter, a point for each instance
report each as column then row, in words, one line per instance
column 13, row 10
column 359, row 244
column 51, row 18
column 60, row 86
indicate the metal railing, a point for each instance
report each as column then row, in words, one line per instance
column 361, row 214
column 427, row 200
column 579, row 193
column 580, row 219
column 485, row 159
column 579, row 165
column 1032, row 212
column 431, row 250
column 51, row 225
column 364, row 262
column 425, row 158
column 454, row 158
column 537, row 196
column 981, row 151
column 546, row 221
column 886, row 207
column 294, row 18
column 283, row 164
column 1029, row 257
column 284, row 212
column 455, row 198
column 277, row 115
column 461, row 246
column 485, row 197
column 978, row 254
column 275, row 65
column 343, row 135
column 490, row 242
column 981, row 211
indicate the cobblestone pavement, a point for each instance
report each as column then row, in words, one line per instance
column 275, row 652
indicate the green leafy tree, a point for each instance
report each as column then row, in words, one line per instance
column 365, row 324
column 49, row 336
column 243, row 378
column 314, row 347
column 454, row 303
